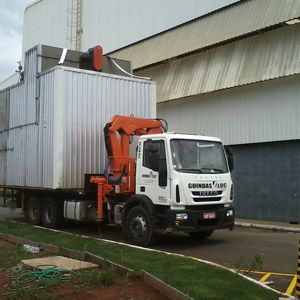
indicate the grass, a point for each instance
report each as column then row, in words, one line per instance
column 11, row 257
column 200, row 281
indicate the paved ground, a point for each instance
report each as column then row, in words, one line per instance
column 279, row 249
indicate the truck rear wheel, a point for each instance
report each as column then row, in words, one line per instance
column 201, row 234
column 139, row 228
column 51, row 216
column 33, row 211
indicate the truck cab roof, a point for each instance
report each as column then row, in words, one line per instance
column 177, row 135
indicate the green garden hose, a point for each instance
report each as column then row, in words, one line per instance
column 50, row 273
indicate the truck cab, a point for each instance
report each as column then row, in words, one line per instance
column 187, row 178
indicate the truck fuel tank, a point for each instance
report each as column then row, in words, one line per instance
column 78, row 210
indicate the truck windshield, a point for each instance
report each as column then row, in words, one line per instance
column 194, row 156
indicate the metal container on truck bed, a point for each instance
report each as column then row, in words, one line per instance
column 51, row 123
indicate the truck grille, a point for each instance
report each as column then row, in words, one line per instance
column 207, row 199
column 204, row 196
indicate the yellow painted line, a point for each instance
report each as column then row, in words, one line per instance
column 247, row 271
column 264, row 278
column 259, row 272
column 291, row 286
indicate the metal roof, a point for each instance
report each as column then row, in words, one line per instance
column 258, row 58
column 229, row 23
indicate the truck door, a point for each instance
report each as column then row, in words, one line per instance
column 154, row 180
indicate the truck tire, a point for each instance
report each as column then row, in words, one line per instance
column 139, row 228
column 51, row 216
column 33, row 211
column 201, row 234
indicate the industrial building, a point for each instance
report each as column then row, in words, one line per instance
column 232, row 72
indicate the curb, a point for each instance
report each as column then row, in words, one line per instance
column 267, row 227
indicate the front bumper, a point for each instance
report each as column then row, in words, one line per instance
column 196, row 219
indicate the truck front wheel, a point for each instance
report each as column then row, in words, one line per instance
column 33, row 211
column 51, row 216
column 139, row 228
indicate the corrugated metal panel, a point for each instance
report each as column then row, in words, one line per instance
column 30, row 75
column 90, row 101
column 267, row 56
column 3, row 158
column 4, row 110
column 264, row 112
column 4, row 123
column 32, row 111
column 237, row 20
column 68, row 139
column 22, row 160
column 16, row 163
column 47, row 86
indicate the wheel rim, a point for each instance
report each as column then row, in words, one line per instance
column 34, row 212
column 49, row 214
column 138, row 227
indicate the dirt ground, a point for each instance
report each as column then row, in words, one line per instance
column 132, row 288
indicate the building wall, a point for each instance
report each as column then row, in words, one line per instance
column 45, row 22
column 253, row 17
column 110, row 23
column 266, row 174
column 262, row 112
column 117, row 23
column 266, row 179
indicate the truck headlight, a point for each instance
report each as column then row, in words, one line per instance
column 229, row 213
column 182, row 216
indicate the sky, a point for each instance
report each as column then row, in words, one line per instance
column 11, row 23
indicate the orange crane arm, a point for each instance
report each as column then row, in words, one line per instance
column 117, row 141
column 127, row 126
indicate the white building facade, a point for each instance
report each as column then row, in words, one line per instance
column 231, row 69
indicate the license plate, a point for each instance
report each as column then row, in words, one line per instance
column 211, row 215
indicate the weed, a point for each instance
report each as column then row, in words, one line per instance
column 126, row 280
column 96, row 278
column 11, row 204
column 246, row 265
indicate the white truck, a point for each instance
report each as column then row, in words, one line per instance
column 178, row 182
